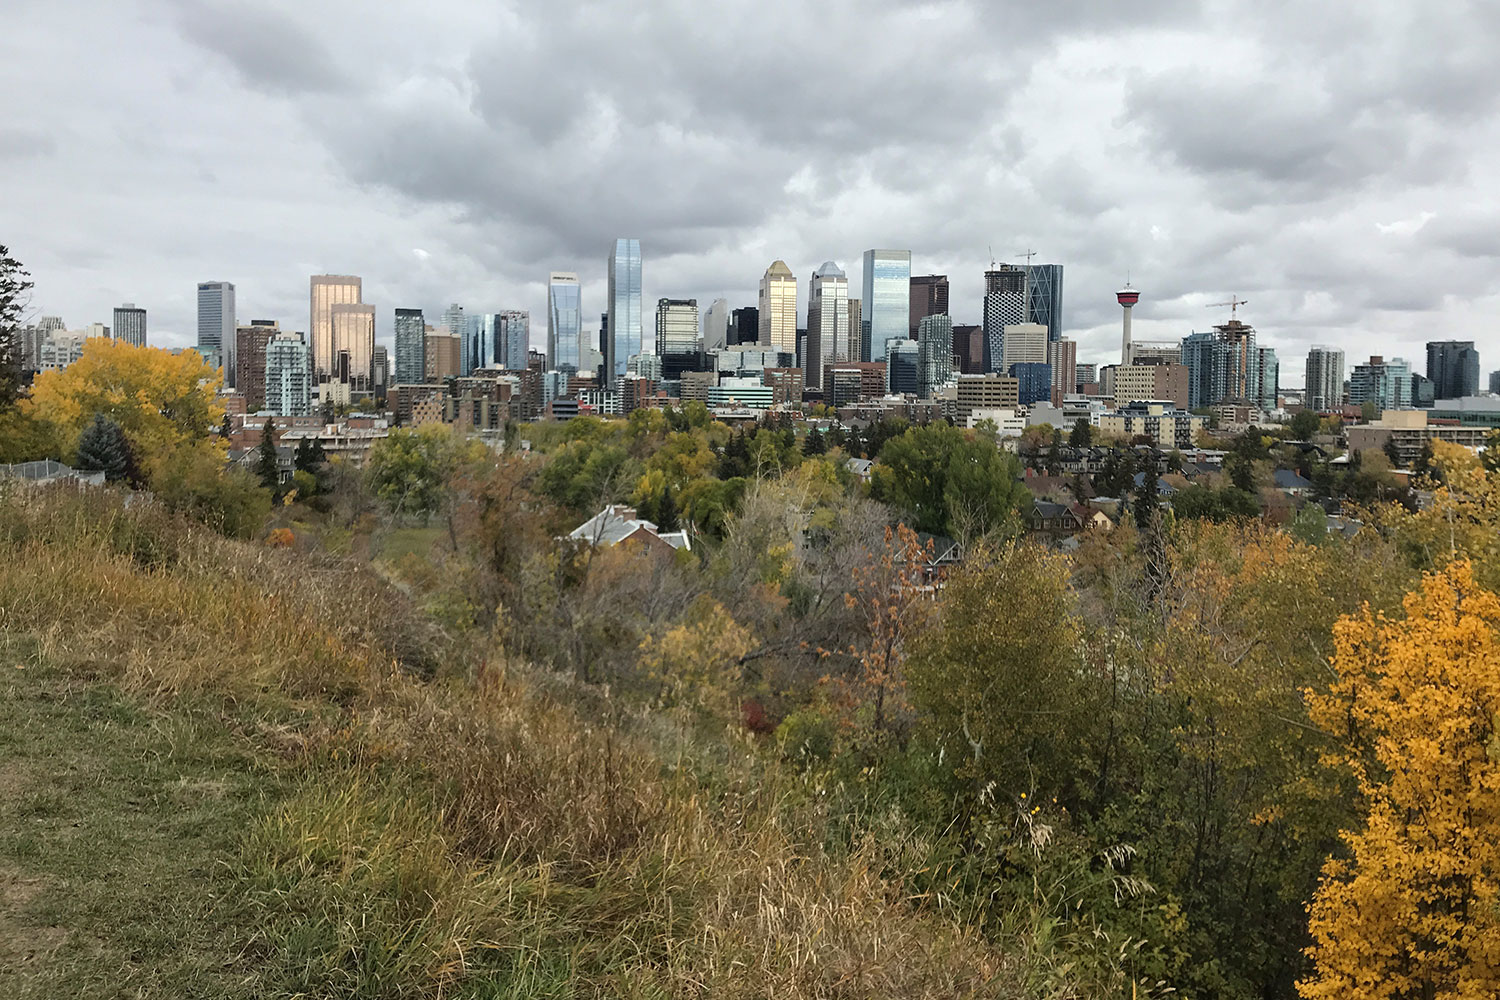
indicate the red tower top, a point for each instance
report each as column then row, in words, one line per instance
column 1128, row 296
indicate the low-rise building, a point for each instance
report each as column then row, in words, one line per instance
column 1160, row 420
column 1408, row 432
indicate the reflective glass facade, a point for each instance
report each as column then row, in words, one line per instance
column 564, row 321
column 1044, row 298
column 216, row 323
column 886, row 301
column 326, row 291
column 624, row 340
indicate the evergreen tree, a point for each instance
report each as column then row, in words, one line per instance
column 666, row 511
column 1082, row 434
column 15, row 289
column 265, row 465
column 1145, row 494
column 226, row 429
column 814, row 443
column 102, row 447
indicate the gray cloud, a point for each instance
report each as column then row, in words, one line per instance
column 268, row 50
column 1330, row 163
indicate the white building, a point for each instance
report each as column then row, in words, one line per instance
column 1025, row 342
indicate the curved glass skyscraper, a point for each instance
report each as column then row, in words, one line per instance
column 624, row 314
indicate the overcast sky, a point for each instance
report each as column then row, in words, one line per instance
column 1334, row 164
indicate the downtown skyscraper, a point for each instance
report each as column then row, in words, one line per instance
column 130, row 325
column 886, row 301
column 778, row 308
column 324, row 292
column 564, row 321
column 1452, row 365
column 216, row 325
column 827, row 322
column 1004, row 305
column 624, row 308
column 1044, row 288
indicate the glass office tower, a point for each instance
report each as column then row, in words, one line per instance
column 885, row 301
column 624, row 339
column 564, row 321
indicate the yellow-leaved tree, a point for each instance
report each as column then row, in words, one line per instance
column 162, row 401
column 1412, row 911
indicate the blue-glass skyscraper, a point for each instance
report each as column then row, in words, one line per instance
column 564, row 321
column 1044, row 298
column 885, row 301
column 624, row 307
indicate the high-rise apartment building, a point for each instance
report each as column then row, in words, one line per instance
column 886, row 301
column 324, row 292
column 130, row 325
column 934, row 353
column 1495, row 383
column 1024, row 343
column 1324, row 387
column 624, row 328
column 1004, row 305
column 716, row 326
column 564, row 321
column 1208, row 361
column 288, row 380
column 929, row 297
column 250, row 344
column 827, row 321
column 411, row 347
column 1062, row 355
column 778, row 308
column 216, row 324
column 515, row 339
column 1239, row 337
column 351, row 327
column 1265, row 374
column 1452, row 365
column 1084, row 373
column 1385, row 384
column 1044, row 284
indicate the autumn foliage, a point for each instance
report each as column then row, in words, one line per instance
column 1412, row 910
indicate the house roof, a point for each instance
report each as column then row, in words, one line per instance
column 1163, row 488
column 617, row 522
column 1290, row 479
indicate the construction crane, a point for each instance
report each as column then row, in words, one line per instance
column 1234, row 304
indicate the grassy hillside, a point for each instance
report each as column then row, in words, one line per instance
column 236, row 771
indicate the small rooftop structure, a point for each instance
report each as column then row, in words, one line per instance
column 48, row 471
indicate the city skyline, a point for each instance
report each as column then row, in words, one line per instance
column 1329, row 185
